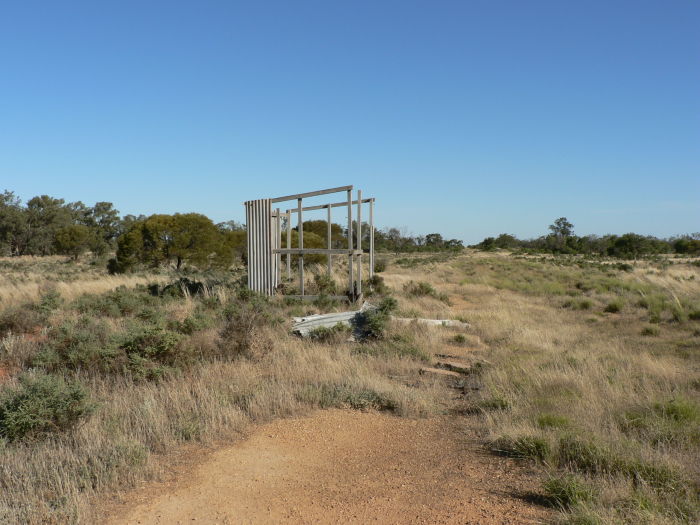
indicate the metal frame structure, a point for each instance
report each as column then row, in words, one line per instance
column 264, row 232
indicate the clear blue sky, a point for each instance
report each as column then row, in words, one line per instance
column 469, row 118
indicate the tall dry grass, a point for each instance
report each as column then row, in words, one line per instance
column 138, row 423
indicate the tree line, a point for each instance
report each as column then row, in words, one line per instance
column 562, row 240
column 46, row 225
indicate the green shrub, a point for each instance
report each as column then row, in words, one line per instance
column 324, row 284
column 20, row 320
column 119, row 302
column 567, row 491
column 83, row 344
column 694, row 315
column 376, row 286
column 241, row 333
column 419, row 289
column 41, row 404
column 49, row 301
column 380, row 265
column 372, row 323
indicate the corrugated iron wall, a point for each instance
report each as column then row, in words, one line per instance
column 263, row 237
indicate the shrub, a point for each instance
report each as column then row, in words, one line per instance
column 423, row 289
column 117, row 303
column 375, row 285
column 567, row 491
column 372, row 323
column 324, row 284
column 20, row 320
column 419, row 289
column 41, row 404
column 380, row 265
column 84, row 344
column 49, row 301
column 242, row 332
column 694, row 315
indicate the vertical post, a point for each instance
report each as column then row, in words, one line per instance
column 289, row 244
column 350, row 256
column 301, row 247
column 359, row 242
column 330, row 257
column 371, row 238
column 278, row 244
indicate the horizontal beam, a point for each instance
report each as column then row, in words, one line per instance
column 324, row 206
column 314, row 297
column 311, row 194
column 324, row 251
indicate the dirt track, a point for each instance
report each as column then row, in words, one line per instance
column 341, row 466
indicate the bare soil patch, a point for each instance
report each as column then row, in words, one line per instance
column 340, row 466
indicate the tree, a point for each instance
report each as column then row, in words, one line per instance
column 13, row 225
column 562, row 227
column 73, row 240
column 45, row 216
column 176, row 239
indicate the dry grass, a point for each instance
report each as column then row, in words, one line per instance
column 218, row 396
column 25, row 279
column 605, row 402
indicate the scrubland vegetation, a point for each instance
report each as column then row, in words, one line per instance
column 97, row 388
column 587, row 367
column 596, row 377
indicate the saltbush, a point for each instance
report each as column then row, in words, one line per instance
column 41, row 404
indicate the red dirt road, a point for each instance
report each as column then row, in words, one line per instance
column 339, row 466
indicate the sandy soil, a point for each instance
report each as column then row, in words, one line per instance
column 339, row 466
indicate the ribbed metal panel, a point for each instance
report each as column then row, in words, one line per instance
column 262, row 264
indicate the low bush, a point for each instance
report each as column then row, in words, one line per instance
column 423, row 289
column 380, row 265
column 20, row 320
column 83, row 344
column 372, row 323
column 41, row 404
column 242, row 334
column 376, row 286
